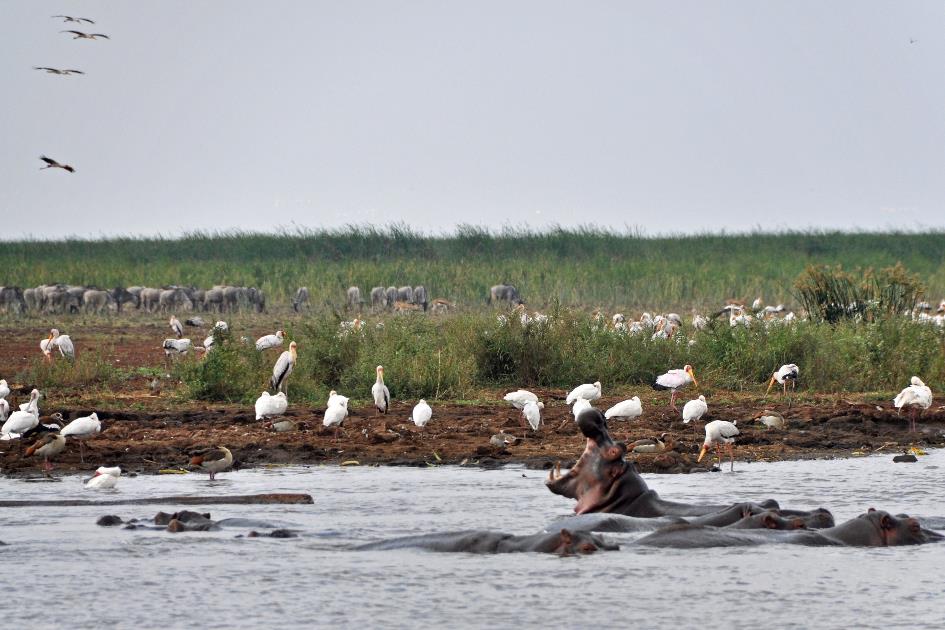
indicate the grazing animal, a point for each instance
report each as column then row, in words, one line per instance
column 51, row 163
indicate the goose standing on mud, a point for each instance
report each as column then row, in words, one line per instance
column 520, row 398
column 918, row 396
column 49, row 445
column 270, row 341
column 176, row 326
column 532, row 413
column 587, row 391
column 625, row 409
column 104, row 478
column 22, row 420
column 283, row 367
column 786, row 373
column 82, row 429
column 719, row 432
column 380, row 392
column 674, row 380
column 213, row 460
column 270, row 406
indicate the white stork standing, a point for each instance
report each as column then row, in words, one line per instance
column 786, row 373
column 918, row 396
column 380, row 392
column 694, row 409
column 587, row 391
column 673, row 380
column 270, row 341
column 176, row 326
column 625, row 409
column 719, row 432
column 270, row 406
column 82, row 429
column 64, row 343
column 283, row 367
column 520, row 398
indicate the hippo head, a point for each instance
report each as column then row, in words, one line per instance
column 772, row 519
column 887, row 530
column 601, row 480
column 568, row 543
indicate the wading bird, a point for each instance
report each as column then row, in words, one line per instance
column 270, row 341
column 520, row 398
column 77, row 20
column 719, row 432
column 625, row 409
column 380, row 392
column 49, row 445
column 65, row 72
column 587, row 391
column 103, row 478
column 694, row 409
column 283, row 367
column 421, row 414
column 673, row 380
column 176, row 326
column 918, row 397
column 51, row 163
column 81, row 35
column 532, row 413
column 82, row 429
column 64, row 343
column 334, row 398
column 270, row 406
column 213, row 460
column 24, row 419
column 785, row 374
column 335, row 415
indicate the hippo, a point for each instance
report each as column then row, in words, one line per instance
column 875, row 528
column 603, row 481
column 563, row 543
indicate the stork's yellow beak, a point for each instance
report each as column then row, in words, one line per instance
column 692, row 374
column 770, row 385
column 702, row 452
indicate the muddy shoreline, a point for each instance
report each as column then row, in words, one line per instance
column 158, row 440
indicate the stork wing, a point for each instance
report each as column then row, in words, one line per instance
column 100, row 35
column 49, row 161
column 79, row 33
column 728, row 430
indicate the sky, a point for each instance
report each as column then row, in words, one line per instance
column 658, row 117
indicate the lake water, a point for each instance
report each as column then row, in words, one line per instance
column 60, row 570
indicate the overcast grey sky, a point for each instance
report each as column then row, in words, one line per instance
column 662, row 116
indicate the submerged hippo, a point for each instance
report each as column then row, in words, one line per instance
column 876, row 528
column 562, row 543
column 602, row 481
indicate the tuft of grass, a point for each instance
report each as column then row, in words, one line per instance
column 91, row 370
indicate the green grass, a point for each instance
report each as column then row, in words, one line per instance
column 584, row 267
column 457, row 357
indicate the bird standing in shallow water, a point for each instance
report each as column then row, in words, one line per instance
column 104, row 478
column 719, row 432
column 213, row 460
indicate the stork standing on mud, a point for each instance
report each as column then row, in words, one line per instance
column 917, row 396
column 673, row 380
column 785, row 374
column 283, row 367
column 380, row 392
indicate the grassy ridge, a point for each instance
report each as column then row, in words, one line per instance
column 586, row 267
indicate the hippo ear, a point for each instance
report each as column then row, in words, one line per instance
column 566, row 536
column 872, row 509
